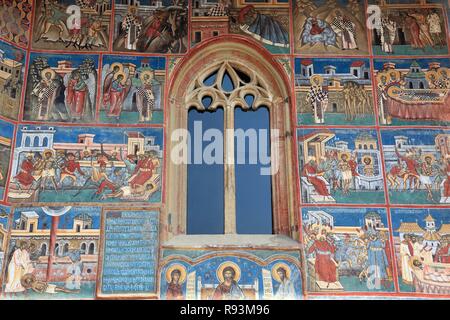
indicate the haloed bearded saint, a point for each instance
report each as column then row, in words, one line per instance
column 229, row 288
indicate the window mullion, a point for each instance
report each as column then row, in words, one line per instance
column 229, row 172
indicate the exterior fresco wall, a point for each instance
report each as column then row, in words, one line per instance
column 84, row 163
column 256, row 274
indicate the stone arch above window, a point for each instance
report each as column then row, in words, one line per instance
column 252, row 70
column 211, row 84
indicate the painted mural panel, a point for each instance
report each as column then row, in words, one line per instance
column 130, row 253
column 132, row 89
column 265, row 21
column 151, row 26
column 72, row 25
column 236, row 276
column 422, row 242
column 340, row 166
column 6, row 136
column 15, row 21
column 347, row 249
column 4, row 229
column 417, row 166
column 330, row 27
column 413, row 91
column 86, row 164
column 53, row 253
column 12, row 69
column 61, row 88
column 410, row 30
column 334, row 91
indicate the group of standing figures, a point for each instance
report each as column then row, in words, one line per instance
column 116, row 88
column 66, row 96
column 423, row 27
column 357, row 101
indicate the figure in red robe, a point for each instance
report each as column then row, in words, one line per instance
column 115, row 97
column 69, row 168
column 442, row 255
column 153, row 29
column 77, row 95
column 25, row 176
column 144, row 170
column 411, row 168
column 174, row 288
column 104, row 180
column 353, row 165
column 313, row 175
column 414, row 30
column 411, row 164
column 325, row 266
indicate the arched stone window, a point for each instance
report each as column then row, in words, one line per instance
column 43, row 249
column 66, row 248
column 36, row 141
column 197, row 81
column 91, row 249
column 83, row 248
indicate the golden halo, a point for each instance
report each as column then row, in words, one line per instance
column 178, row 267
column 118, row 73
column 346, row 153
column 396, row 73
column 283, row 265
column 314, row 77
column 426, row 155
column 431, row 74
column 393, row 91
column 116, row 64
column 225, row 264
column 146, row 72
column 47, row 151
column 383, row 74
column 48, row 70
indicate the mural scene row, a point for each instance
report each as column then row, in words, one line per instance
column 318, row 27
column 63, row 88
column 82, row 252
column 338, row 166
column 350, row 166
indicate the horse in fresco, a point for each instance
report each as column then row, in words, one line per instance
column 173, row 36
column 163, row 32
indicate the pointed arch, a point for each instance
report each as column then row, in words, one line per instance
column 253, row 71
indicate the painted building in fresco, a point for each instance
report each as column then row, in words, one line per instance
column 104, row 195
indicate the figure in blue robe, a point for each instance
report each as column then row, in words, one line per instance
column 318, row 31
column 263, row 27
column 376, row 257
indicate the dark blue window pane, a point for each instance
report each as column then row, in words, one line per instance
column 227, row 83
column 253, row 190
column 211, row 79
column 249, row 99
column 205, row 191
column 206, row 101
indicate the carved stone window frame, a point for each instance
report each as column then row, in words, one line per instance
column 270, row 87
